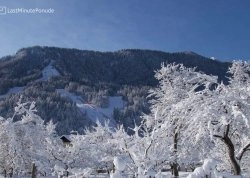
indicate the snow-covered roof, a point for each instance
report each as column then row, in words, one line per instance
column 65, row 138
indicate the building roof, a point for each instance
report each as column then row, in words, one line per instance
column 65, row 139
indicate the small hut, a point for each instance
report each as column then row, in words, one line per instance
column 66, row 141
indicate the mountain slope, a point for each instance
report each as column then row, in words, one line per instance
column 94, row 76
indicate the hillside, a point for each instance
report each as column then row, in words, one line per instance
column 69, row 84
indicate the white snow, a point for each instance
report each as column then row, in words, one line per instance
column 114, row 102
column 120, row 163
column 76, row 99
column 94, row 112
column 49, row 71
column 209, row 168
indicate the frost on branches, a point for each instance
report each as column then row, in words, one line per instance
column 193, row 117
column 180, row 92
column 24, row 142
column 201, row 117
column 225, row 114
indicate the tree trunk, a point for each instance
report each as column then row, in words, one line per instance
column 5, row 173
column 230, row 146
column 33, row 171
column 175, row 170
column 231, row 150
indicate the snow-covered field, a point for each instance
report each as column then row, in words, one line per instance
column 167, row 175
column 164, row 175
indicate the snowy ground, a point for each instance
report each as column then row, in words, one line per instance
column 168, row 175
column 96, row 113
column 164, row 175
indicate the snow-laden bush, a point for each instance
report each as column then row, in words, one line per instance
column 207, row 170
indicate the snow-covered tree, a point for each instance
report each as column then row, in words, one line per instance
column 145, row 150
column 232, row 125
column 225, row 114
column 95, row 149
column 178, row 94
column 25, row 142
column 6, row 154
column 141, row 153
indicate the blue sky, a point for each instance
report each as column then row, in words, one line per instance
column 219, row 28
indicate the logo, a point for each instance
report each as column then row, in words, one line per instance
column 2, row 10
column 5, row 10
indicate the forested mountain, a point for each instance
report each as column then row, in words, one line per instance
column 71, row 86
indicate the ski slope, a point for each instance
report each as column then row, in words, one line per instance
column 49, row 71
column 94, row 112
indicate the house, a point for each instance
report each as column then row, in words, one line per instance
column 66, row 140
